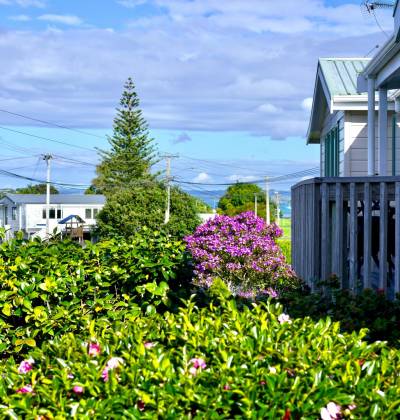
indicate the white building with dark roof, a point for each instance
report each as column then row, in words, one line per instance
column 27, row 212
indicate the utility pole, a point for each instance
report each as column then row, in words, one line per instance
column 48, row 158
column 278, row 210
column 267, row 214
column 168, row 179
column 255, row 204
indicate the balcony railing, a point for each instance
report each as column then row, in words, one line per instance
column 349, row 227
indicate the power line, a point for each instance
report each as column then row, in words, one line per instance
column 47, row 139
column 51, row 123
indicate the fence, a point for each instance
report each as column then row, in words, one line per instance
column 348, row 227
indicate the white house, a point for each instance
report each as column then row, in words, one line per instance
column 339, row 120
column 27, row 212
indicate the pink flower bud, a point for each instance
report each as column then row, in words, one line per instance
column 78, row 389
column 94, row 349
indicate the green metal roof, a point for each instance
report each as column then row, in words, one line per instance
column 340, row 74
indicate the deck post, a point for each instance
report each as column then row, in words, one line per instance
column 397, row 240
column 353, row 238
column 338, row 249
column 383, row 235
column 367, row 283
column 383, row 132
column 371, row 126
column 325, row 266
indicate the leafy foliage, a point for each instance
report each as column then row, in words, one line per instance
column 125, row 212
column 214, row 362
column 242, row 251
column 36, row 189
column 369, row 309
column 48, row 289
column 239, row 198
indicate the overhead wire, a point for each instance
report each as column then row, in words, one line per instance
column 51, row 123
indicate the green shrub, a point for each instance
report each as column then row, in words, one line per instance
column 369, row 309
column 52, row 288
column 286, row 247
column 215, row 362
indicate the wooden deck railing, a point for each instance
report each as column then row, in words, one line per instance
column 336, row 222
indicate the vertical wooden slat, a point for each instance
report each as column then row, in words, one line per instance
column 338, row 248
column 367, row 281
column 325, row 269
column 397, row 240
column 383, row 230
column 317, row 233
column 353, row 237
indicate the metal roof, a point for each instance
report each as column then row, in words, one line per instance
column 71, row 217
column 341, row 74
column 89, row 199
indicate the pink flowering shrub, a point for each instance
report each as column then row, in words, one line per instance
column 243, row 252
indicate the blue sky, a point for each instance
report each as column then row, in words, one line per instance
column 226, row 83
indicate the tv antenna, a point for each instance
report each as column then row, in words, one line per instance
column 370, row 6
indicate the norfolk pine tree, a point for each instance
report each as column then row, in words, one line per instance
column 135, row 197
column 131, row 154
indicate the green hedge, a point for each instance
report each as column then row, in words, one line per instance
column 256, row 366
column 52, row 288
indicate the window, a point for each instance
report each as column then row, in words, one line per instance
column 332, row 152
column 14, row 213
column 53, row 212
column 88, row 213
column 95, row 213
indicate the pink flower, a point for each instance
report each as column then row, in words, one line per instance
column 331, row 412
column 26, row 389
column 25, row 366
column 104, row 374
column 78, row 389
column 227, row 387
column 70, row 376
column 94, row 349
column 282, row 318
column 352, row 407
column 115, row 362
column 198, row 363
column 193, row 371
column 149, row 345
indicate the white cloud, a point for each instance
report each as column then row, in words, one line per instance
column 131, row 3
column 268, row 108
column 20, row 18
column 306, row 104
column 63, row 19
column 202, row 177
column 23, row 3
column 196, row 68
column 242, row 178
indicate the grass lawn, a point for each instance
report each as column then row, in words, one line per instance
column 285, row 224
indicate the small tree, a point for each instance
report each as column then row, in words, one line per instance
column 131, row 153
column 36, row 189
column 240, row 198
column 128, row 210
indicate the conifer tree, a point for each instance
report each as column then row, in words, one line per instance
column 132, row 153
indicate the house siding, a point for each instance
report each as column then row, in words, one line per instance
column 358, row 144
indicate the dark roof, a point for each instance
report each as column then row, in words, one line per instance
column 56, row 198
column 70, row 218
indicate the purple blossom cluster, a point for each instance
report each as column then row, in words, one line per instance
column 243, row 252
